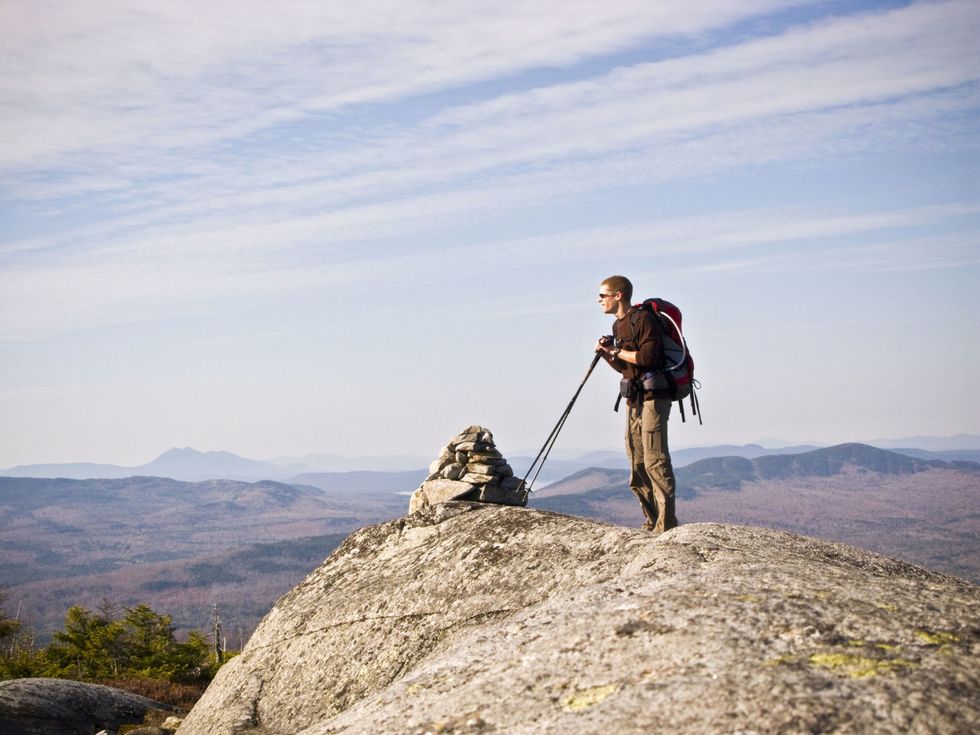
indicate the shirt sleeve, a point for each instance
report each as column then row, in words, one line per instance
column 648, row 346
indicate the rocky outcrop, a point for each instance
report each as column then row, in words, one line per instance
column 60, row 707
column 474, row 618
column 470, row 467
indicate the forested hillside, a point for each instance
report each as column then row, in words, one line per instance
column 178, row 546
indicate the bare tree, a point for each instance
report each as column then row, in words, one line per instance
column 219, row 647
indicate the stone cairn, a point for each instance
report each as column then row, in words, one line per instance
column 470, row 468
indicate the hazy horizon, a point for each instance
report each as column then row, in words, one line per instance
column 357, row 230
column 948, row 443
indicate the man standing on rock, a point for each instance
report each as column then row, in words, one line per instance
column 636, row 349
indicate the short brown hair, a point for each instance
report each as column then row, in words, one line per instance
column 620, row 283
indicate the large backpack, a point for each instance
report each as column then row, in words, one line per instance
column 675, row 377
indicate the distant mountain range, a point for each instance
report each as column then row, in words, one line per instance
column 729, row 472
column 177, row 464
column 191, row 465
column 924, row 510
column 930, row 443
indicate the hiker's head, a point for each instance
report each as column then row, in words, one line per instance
column 614, row 291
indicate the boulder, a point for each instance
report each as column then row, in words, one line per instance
column 62, row 707
column 480, row 469
column 468, row 617
column 475, row 478
column 452, row 471
column 439, row 491
column 486, row 455
column 509, row 482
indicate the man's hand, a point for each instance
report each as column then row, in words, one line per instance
column 606, row 347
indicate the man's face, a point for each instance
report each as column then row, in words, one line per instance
column 607, row 297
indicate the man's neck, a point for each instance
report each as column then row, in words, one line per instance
column 623, row 310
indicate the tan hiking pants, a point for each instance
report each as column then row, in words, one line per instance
column 651, row 474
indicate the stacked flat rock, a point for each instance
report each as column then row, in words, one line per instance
column 470, row 468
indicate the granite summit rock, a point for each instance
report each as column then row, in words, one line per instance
column 474, row 618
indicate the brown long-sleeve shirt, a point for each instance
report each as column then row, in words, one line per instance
column 645, row 341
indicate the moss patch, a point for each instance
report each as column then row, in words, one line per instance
column 585, row 698
column 938, row 638
column 858, row 667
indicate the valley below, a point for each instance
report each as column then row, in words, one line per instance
column 180, row 547
column 183, row 547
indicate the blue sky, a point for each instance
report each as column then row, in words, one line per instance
column 357, row 230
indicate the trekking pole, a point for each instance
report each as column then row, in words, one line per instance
column 553, row 436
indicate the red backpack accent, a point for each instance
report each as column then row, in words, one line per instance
column 678, row 365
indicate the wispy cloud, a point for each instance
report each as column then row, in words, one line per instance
column 908, row 56
column 227, row 151
column 899, row 253
column 36, row 298
column 108, row 76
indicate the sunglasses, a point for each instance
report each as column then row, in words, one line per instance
column 606, row 295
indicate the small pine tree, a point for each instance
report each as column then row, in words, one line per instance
column 140, row 644
column 87, row 649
